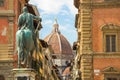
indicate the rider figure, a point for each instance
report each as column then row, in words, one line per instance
column 25, row 20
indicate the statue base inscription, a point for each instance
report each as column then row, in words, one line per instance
column 24, row 74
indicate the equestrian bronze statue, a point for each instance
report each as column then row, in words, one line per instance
column 26, row 37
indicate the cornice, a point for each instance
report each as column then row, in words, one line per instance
column 103, row 55
column 112, row 4
column 7, row 13
column 105, row 4
column 7, row 61
column 107, row 55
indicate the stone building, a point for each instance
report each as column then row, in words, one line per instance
column 9, row 12
column 98, row 44
column 45, row 67
column 62, row 51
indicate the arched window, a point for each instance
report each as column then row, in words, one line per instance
column 111, row 35
column 2, row 77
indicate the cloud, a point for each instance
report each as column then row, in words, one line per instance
column 64, row 10
column 54, row 6
column 47, row 22
column 66, row 28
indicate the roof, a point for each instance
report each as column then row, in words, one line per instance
column 58, row 42
column 44, row 44
column 66, row 71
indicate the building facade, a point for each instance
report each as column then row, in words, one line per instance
column 47, row 70
column 9, row 11
column 98, row 49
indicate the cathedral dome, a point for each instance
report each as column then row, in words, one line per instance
column 58, row 42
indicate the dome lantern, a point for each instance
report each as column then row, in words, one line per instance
column 56, row 26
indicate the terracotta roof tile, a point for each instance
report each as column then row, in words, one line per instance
column 58, row 42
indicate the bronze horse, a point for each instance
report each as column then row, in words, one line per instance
column 25, row 47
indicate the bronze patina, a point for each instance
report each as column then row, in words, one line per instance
column 26, row 37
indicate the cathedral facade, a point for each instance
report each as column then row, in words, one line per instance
column 98, row 44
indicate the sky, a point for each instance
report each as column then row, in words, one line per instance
column 64, row 11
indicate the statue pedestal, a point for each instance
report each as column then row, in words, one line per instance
column 24, row 74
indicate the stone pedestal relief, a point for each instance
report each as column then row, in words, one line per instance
column 24, row 74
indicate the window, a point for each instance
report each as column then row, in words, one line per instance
column 111, row 36
column 110, row 43
column 2, row 3
column 22, row 78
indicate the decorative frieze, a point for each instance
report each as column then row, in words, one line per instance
column 24, row 74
